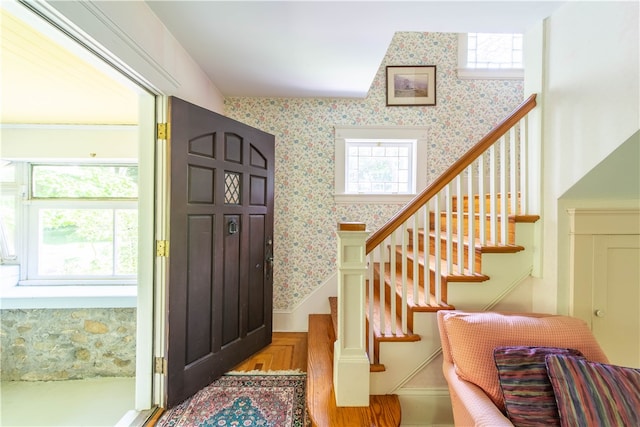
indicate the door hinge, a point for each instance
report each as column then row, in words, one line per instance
column 162, row 248
column 159, row 365
column 162, row 130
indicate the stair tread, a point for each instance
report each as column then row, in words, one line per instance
column 383, row 410
column 390, row 333
column 487, row 247
column 469, row 270
column 421, row 304
column 333, row 305
column 455, row 276
column 466, row 221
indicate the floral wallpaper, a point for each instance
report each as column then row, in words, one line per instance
column 306, row 215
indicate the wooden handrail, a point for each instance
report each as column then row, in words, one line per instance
column 454, row 170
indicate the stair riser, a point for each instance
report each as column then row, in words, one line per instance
column 432, row 277
column 465, row 227
column 487, row 203
column 398, row 297
column 390, row 323
column 477, row 256
column 506, row 271
column 388, row 289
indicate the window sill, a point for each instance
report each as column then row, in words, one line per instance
column 29, row 297
column 391, row 199
column 63, row 295
column 490, row 74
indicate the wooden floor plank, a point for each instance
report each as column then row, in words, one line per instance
column 287, row 351
column 383, row 411
column 313, row 353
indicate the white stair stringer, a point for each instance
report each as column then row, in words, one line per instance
column 402, row 360
column 505, row 271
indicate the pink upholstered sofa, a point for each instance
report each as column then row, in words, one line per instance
column 468, row 343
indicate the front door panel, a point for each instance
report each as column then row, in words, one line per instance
column 219, row 291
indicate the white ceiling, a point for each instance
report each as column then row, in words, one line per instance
column 320, row 48
column 46, row 78
column 264, row 48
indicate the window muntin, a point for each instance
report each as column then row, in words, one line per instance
column 489, row 50
column 379, row 166
column 414, row 136
column 490, row 56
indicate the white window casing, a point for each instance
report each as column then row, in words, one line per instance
column 31, row 261
column 415, row 135
column 21, row 290
column 466, row 71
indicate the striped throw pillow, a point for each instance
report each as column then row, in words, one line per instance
column 594, row 394
column 528, row 394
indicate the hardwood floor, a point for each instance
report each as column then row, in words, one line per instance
column 383, row 411
column 287, row 351
column 291, row 351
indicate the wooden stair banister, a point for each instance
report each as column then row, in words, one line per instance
column 454, row 170
column 439, row 237
column 469, row 209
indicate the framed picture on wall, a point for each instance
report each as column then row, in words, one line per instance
column 411, row 85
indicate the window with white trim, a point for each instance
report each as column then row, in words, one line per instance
column 490, row 56
column 79, row 223
column 379, row 164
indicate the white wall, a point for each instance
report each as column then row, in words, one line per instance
column 132, row 33
column 591, row 100
column 69, row 142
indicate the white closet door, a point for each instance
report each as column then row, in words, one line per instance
column 616, row 297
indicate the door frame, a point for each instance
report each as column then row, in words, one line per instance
column 161, row 268
column 118, row 34
column 149, row 100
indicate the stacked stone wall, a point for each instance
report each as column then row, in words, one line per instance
column 61, row 344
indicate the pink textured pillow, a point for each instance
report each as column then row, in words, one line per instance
column 474, row 336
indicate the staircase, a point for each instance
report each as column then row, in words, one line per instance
column 461, row 241
column 398, row 325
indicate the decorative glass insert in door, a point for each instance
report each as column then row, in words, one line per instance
column 232, row 188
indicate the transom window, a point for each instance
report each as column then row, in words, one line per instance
column 486, row 50
column 490, row 55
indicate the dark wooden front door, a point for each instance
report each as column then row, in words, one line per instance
column 219, row 292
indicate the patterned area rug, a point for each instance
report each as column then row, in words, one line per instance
column 243, row 401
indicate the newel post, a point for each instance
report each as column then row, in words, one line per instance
column 350, row 361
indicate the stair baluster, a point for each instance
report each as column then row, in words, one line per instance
column 413, row 265
column 471, row 215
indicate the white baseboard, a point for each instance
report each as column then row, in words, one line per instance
column 317, row 302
